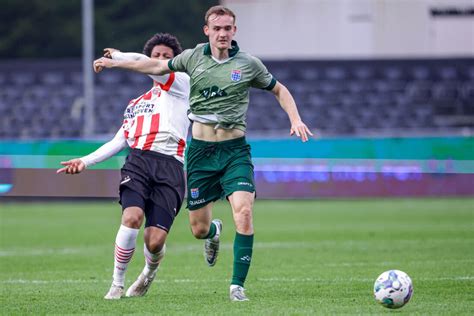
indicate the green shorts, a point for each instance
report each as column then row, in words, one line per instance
column 217, row 169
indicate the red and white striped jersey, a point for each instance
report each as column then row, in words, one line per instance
column 157, row 120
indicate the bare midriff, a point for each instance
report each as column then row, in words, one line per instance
column 208, row 133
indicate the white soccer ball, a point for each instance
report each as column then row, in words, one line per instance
column 393, row 289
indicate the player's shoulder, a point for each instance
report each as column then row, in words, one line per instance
column 133, row 101
column 251, row 59
column 181, row 83
column 182, row 76
column 199, row 48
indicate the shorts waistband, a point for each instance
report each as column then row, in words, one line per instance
column 150, row 153
column 230, row 142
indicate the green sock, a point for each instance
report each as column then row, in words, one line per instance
column 243, row 245
column 212, row 231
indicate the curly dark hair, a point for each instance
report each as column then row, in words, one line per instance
column 162, row 39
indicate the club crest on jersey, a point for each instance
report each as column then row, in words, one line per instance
column 195, row 193
column 236, row 75
column 156, row 91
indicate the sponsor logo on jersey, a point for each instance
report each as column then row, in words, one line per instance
column 245, row 183
column 129, row 113
column 143, row 107
column 195, row 193
column 200, row 201
column 212, row 92
column 125, row 180
column 200, row 70
column 235, row 75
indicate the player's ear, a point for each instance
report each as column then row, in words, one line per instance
column 206, row 30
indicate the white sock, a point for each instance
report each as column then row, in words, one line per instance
column 152, row 261
column 218, row 233
column 124, row 248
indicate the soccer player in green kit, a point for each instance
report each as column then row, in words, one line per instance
column 218, row 159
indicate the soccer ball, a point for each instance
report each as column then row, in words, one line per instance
column 393, row 289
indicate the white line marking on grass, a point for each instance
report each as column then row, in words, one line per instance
column 79, row 281
column 182, row 281
column 41, row 252
column 197, row 246
column 268, row 280
column 391, row 263
column 23, row 281
column 345, row 280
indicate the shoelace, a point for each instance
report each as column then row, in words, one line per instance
column 211, row 250
column 239, row 292
column 210, row 149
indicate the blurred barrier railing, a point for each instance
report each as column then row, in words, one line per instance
column 284, row 168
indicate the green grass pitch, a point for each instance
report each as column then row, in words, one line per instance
column 310, row 257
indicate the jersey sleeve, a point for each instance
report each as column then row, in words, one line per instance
column 263, row 79
column 136, row 56
column 128, row 56
column 182, row 61
column 180, row 86
column 107, row 150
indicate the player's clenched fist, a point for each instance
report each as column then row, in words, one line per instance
column 109, row 51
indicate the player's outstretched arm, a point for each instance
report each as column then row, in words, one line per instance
column 145, row 66
column 118, row 55
column 104, row 152
column 287, row 102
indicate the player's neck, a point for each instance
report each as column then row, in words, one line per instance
column 219, row 54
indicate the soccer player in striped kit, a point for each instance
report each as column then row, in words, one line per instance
column 218, row 160
column 155, row 127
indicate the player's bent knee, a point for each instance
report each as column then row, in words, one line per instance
column 132, row 217
column 155, row 239
column 155, row 246
column 243, row 220
column 200, row 231
column 244, row 213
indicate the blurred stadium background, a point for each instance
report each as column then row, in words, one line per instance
column 388, row 87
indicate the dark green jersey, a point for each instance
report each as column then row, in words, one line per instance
column 222, row 88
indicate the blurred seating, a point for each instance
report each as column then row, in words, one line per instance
column 44, row 99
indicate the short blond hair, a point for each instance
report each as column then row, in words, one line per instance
column 218, row 10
